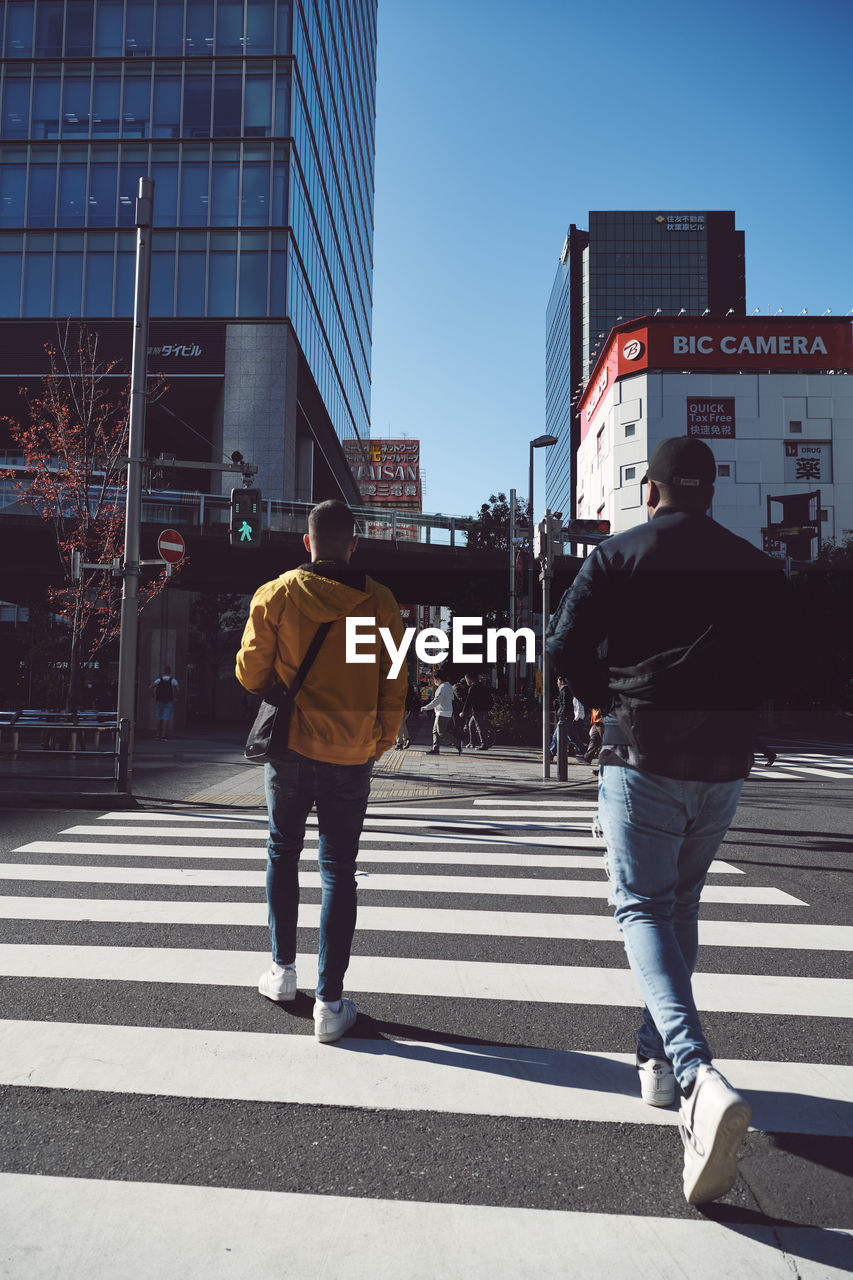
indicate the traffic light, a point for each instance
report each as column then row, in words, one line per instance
column 540, row 540
column 586, row 530
column 245, row 518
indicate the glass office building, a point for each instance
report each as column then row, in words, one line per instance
column 255, row 118
column 628, row 264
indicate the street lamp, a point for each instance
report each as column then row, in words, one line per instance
column 541, row 442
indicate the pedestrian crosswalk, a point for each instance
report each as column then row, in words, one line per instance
column 481, row 1119
column 829, row 763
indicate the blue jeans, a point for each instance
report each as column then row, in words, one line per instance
column 661, row 837
column 340, row 791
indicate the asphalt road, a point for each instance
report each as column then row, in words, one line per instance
column 139, row 1051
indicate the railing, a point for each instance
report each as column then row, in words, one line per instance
column 209, row 510
column 65, row 736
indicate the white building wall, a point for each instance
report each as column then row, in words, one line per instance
column 750, row 467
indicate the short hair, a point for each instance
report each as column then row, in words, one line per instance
column 331, row 525
column 695, row 499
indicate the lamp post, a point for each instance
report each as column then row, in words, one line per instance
column 136, row 445
column 541, row 442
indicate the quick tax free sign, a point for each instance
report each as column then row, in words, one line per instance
column 711, row 418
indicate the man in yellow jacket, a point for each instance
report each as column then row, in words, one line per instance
column 345, row 716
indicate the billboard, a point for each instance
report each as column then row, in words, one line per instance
column 760, row 344
column 711, row 417
column 387, row 472
column 807, row 460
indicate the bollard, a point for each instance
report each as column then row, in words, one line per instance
column 122, row 775
column 562, row 751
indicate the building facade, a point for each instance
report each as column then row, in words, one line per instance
column 255, row 118
column 627, row 264
column 772, row 397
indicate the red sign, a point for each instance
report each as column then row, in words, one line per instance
column 387, row 472
column 775, row 344
column 171, row 546
column 711, row 418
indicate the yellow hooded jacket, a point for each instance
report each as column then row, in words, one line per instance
column 345, row 713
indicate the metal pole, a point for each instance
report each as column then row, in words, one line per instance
column 546, row 670
column 512, row 665
column 135, row 448
column 531, row 561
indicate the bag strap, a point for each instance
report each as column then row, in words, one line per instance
column 305, row 664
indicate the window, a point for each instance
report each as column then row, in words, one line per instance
column 167, row 107
column 630, row 430
column 11, row 262
column 170, row 26
column 229, row 26
column 106, row 108
column 109, row 23
column 13, row 181
column 194, row 194
column 630, row 473
column 49, row 23
column 724, row 469
column 37, row 278
column 16, row 105
column 197, row 105
column 227, row 102
column 796, row 428
column 19, row 28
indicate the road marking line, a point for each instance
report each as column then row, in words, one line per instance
column 446, row 920
column 407, row 976
column 373, row 812
column 139, row 1229
column 511, row 886
column 566, row 840
column 406, row 1075
column 366, row 857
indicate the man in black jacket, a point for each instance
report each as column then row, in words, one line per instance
column 673, row 626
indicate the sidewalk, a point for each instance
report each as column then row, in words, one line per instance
column 415, row 775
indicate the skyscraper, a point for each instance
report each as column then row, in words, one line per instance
column 256, row 120
column 628, row 264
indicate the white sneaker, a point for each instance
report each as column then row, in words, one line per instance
column 330, row 1026
column 712, row 1122
column 281, row 987
column 657, row 1081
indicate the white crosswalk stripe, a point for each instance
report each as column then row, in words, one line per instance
column 109, row 874
column 830, row 765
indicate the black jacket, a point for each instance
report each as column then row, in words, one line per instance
column 675, row 628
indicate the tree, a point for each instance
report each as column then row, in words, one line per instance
column 491, row 531
column 74, row 438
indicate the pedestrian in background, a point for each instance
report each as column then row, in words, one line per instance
column 475, row 709
column 691, row 614
column 596, row 733
column 344, row 717
column 562, row 715
column 441, row 704
column 413, row 706
column 164, row 691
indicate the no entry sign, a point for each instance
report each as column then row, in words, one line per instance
column 171, row 546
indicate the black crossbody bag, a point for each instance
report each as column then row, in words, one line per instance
column 267, row 740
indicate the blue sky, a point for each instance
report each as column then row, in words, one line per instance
column 500, row 123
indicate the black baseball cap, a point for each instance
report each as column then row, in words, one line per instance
column 682, row 460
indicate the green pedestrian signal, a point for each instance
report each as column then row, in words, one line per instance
column 245, row 518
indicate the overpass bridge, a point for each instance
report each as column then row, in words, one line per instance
column 423, row 558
